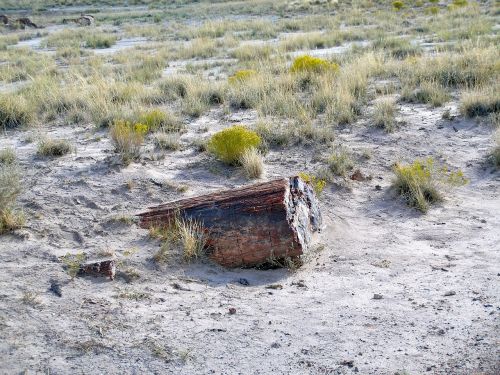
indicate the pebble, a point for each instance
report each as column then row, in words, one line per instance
column 377, row 296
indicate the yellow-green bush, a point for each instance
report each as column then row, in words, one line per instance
column 398, row 5
column 241, row 76
column 418, row 183
column 157, row 119
column 127, row 139
column 310, row 64
column 317, row 183
column 230, row 144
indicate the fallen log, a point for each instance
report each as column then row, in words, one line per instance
column 101, row 268
column 249, row 226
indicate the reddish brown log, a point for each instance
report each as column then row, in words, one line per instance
column 102, row 268
column 252, row 225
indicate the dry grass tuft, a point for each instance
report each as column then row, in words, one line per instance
column 385, row 115
column 15, row 112
column 127, row 139
column 252, row 162
column 53, row 147
column 10, row 187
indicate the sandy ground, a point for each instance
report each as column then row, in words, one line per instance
column 438, row 274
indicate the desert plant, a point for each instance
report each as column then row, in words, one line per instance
column 398, row 5
column 10, row 187
column 14, row 112
column 459, row 3
column 317, row 183
column 385, row 114
column 192, row 238
column 53, row 147
column 167, row 141
column 429, row 92
column 127, row 139
column 7, row 156
column 418, row 183
column 480, row 102
column 340, row 161
column 310, row 64
column 241, row 76
column 252, row 163
column 496, row 151
column 230, row 144
column 72, row 262
column 156, row 119
column 100, row 40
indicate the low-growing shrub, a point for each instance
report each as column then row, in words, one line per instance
column 10, row 187
column 385, row 114
column 10, row 220
column 480, row 102
column 156, row 119
column 310, row 64
column 398, row 5
column 340, row 161
column 99, row 41
column 14, row 112
column 230, row 144
column 318, row 184
column 53, row 147
column 167, row 141
column 418, row 183
column 252, row 163
column 241, row 76
column 496, row 151
column 7, row 156
column 427, row 92
column 127, row 139
column 459, row 3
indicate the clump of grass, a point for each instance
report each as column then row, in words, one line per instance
column 418, row 183
column 396, row 47
column 230, row 144
column 100, row 40
column 310, row 64
column 252, row 163
column 167, row 141
column 157, row 119
column 429, row 92
column 318, row 184
column 496, row 151
column 340, row 161
column 385, row 115
column 15, row 112
column 10, row 220
column 72, row 262
column 480, row 102
column 189, row 234
column 241, row 76
column 127, row 139
column 53, row 147
column 7, row 156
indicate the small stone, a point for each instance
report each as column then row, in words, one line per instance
column 55, row 288
column 275, row 345
column 348, row 363
column 378, row 187
column 450, row 293
column 232, row 311
column 377, row 296
column 243, row 281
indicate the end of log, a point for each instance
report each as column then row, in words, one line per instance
column 103, row 268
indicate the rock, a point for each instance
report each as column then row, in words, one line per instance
column 377, row 296
column 275, row 345
column 450, row 293
column 243, row 281
column 55, row 288
column 348, row 363
column 274, row 286
column 101, row 268
column 358, row 176
column 232, row 311
column 378, row 187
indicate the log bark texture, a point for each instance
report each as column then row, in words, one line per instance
column 252, row 225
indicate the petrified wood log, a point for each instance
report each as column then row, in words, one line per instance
column 102, row 268
column 249, row 226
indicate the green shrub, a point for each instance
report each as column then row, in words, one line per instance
column 14, row 112
column 241, row 76
column 310, row 64
column 127, row 139
column 230, row 144
column 340, row 161
column 398, row 5
column 53, row 147
column 418, row 183
column 459, row 3
column 156, row 120
column 318, row 184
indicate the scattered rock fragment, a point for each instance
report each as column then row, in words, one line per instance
column 55, row 288
column 243, row 281
column 450, row 293
column 274, row 286
column 348, row 362
column 377, row 296
column 232, row 311
column 358, row 176
column 180, row 287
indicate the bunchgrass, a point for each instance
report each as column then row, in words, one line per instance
column 385, row 115
column 127, row 139
column 49, row 147
column 340, row 161
column 252, row 163
column 10, row 187
column 15, row 112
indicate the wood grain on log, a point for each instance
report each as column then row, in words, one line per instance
column 250, row 225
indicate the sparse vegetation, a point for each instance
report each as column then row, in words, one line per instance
column 385, row 115
column 49, row 147
column 480, row 102
column 418, row 183
column 317, row 183
column 167, row 141
column 340, row 161
column 252, row 163
column 7, row 156
column 127, row 139
column 230, row 144
column 10, row 187
column 14, row 112
column 310, row 64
